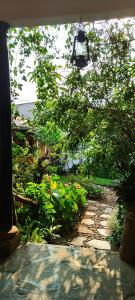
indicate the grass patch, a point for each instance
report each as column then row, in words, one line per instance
column 91, row 179
column 101, row 181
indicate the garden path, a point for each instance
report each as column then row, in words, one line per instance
column 93, row 228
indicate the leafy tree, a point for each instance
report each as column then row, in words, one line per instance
column 94, row 108
column 100, row 104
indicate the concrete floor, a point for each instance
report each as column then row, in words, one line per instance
column 50, row 272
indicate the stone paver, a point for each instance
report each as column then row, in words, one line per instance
column 104, row 245
column 94, row 226
column 104, row 223
column 108, row 210
column 89, row 213
column 78, row 241
column 105, row 216
column 51, row 272
column 91, row 208
column 104, row 205
column 103, row 231
column 87, row 222
column 84, row 229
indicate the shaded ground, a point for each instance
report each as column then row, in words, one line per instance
column 50, row 272
column 109, row 196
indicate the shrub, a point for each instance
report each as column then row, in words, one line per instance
column 30, row 231
column 116, row 225
column 23, row 166
column 59, row 206
column 126, row 201
column 126, row 191
column 92, row 190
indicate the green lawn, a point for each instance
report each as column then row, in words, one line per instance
column 101, row 181
column 92, row 179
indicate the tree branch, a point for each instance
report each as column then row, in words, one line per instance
column 24, row 200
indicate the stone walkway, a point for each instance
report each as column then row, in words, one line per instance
column 50, row 272
column 93, row 229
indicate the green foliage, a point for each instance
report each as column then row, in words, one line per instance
column 59, row 206
column 117, row 225
column 31, row 233
column 92, row 190
column 22, row 167
column 126, row 190
column 126, row 200
column 99, row 107
column 93, row 110
column 101, row 181
column 46, row 210
column 49, row 134
column 26, row 42
column 52, row 137
column 94, row 107
column 14, row 112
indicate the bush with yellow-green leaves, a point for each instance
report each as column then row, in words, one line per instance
column 59, row 205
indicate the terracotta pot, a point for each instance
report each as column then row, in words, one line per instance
column 127, row 248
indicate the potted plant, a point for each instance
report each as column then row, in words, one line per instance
column 126, row 195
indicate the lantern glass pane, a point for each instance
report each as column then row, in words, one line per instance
column 81, row 49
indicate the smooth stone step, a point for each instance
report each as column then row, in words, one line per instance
column 84, row 229
column 104, row 205
column 89, row 213
column 104, row 223
column 98, row 244
column 104, row 231
column 105, row 216
column 78, row 241
column 92, row 208
column 69, row 273
column 108, row 210
column 87, row 222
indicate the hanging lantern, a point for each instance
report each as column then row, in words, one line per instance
column 80, row 55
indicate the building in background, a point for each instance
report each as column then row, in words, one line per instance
column 25, row 108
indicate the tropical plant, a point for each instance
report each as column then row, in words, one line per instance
column 59, row 207
column 30, row 232
column 93, row 190
column 59, row 204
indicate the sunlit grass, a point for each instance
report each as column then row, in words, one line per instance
column 101, row 181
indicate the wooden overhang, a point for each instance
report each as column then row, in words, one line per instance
column 32, row 12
